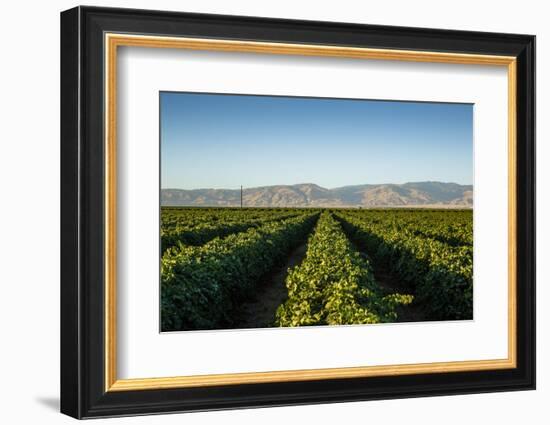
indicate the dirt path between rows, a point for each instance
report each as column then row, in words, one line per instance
column 271, row 293
column 391, row 284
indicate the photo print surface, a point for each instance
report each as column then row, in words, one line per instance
column 284, row 211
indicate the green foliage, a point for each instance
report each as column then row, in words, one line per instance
column 334, row 285
column 440, row 272
column 201, row 286
column 196, row 226
column 213, row 259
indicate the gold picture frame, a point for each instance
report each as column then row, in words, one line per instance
column 114, row 41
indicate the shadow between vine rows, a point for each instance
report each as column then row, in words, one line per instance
column 271, row 292
column 389, row 282
column 259, row 310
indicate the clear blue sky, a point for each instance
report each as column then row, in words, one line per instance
column 224, row 141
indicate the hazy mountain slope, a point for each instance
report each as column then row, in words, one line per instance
column 312, row 195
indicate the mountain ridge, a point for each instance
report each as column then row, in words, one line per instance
column 411, row 194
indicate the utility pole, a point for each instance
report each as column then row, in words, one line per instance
column 241, row 196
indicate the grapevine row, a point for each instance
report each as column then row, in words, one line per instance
column 173, row 217
column 450, row 227
column 441, row 274
column 202, row 286
column 334, row 285
column 189, row 232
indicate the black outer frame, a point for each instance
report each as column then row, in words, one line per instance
column 82, row 212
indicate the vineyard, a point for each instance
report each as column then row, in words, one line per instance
column 226, row 268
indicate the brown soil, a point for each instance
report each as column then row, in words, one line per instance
column 271, row 293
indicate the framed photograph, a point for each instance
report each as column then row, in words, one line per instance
column 261, row 212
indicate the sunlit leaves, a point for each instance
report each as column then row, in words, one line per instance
column 202, row 286
column 430, row 250
column 334, row 285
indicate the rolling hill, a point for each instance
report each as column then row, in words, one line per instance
column 419, row 194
